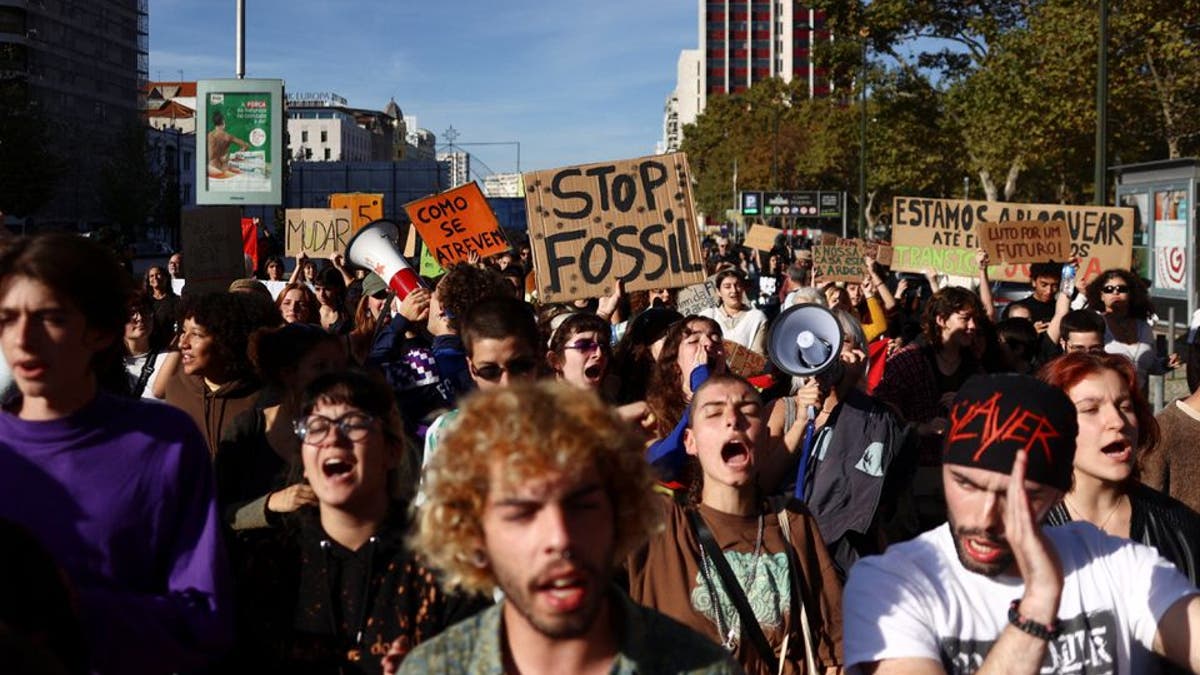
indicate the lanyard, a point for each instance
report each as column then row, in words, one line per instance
column 805, row 452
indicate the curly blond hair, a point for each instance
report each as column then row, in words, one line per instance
column 533, row 430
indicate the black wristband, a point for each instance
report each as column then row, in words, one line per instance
column 1037, row 630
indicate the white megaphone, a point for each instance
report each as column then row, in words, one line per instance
column 372, row 248
column 805, row 340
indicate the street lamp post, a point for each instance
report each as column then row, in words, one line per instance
column 775, row 155
column 862, row 142
column 1101, row 196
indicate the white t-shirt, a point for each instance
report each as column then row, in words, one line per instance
column 1142, row 353
column 741, row 329
column 918, row 601
column 133, row 366
column 433, row 440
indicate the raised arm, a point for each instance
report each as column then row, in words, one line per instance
column 885, row 293
column 985, row 284
column 339, row 263
column 1062, row 305
column 1017, row 650
column 298, row 270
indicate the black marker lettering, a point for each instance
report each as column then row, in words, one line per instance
column 556, row 189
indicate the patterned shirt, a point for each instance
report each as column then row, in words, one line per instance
column 649, row 643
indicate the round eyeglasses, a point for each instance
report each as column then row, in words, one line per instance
column 353, row 426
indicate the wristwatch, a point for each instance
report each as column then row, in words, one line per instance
column 1038, row 630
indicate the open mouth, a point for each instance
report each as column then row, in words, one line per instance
column 29, row 368
column 334, row 467
column 594, row 371
column 1118, row 451
column 984, row 550
column 735, row 452
column 564, row 592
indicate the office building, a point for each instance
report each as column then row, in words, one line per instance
column 743, row 42
column 83, row 64
column 456, row 168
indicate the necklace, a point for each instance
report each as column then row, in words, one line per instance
column 731, row 628
column 1072, row 507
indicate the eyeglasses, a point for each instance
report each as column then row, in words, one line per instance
column 585, row 346
column 353, row 426
column 1090, row 349
column 492, row 372
column 1116, row 290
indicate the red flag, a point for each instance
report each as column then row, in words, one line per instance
column 250, row 239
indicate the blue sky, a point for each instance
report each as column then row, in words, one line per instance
column 574, row 81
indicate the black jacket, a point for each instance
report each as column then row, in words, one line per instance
column 309, row 605
column 1160, row 521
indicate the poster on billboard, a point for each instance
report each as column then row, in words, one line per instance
column 240, row 158
column 1170, row 240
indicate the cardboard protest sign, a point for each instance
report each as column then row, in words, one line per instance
column 455, row 223
column 212, row 247
column 364, row 207
column 879, row 250
column 429, row 266
column 943, row 234
column 1026, row 241
column 630, row 220
column 411, row 243
column 837, row 262
column 742, row 361
column 318, row 232
column 761, row 237
column 692, row 299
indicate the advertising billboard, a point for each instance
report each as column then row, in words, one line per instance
column 240, row 158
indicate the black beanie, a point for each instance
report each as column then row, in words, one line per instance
column 993, row 416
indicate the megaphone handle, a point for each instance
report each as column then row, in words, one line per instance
column 810, row 428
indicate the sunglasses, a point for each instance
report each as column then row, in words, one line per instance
column 353, row 426
column 585, row 346
column 1113, row 290
column 492, row 372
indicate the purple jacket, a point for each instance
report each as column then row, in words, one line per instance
column 121, row 494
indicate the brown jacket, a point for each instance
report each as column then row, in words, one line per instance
column 213, row 410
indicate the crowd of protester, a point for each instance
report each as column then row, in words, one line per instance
column 337, row 479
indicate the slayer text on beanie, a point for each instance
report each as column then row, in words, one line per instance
column 993, row 416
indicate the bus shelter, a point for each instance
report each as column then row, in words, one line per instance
column 1163, row 196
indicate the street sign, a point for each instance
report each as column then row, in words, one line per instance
column 792, row 204
column 751, row 203
column 832, row 204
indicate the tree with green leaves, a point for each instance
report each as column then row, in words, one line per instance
column 1156, row 48
column 1019, row 76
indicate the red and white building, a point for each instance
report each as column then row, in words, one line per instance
column 743, row 42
